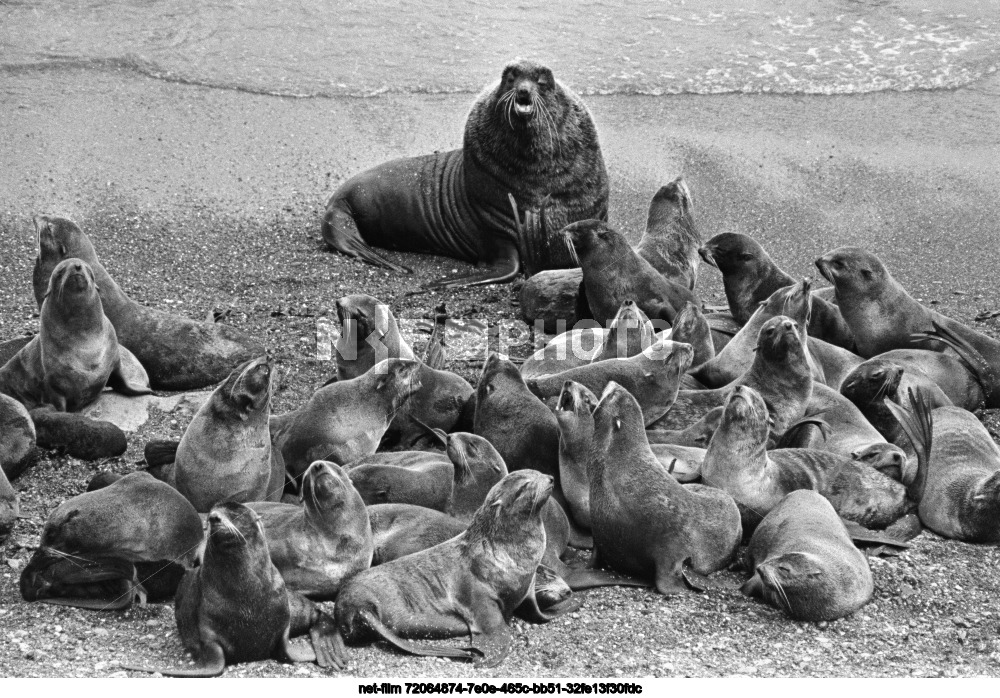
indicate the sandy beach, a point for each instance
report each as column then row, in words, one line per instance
column 200, row 198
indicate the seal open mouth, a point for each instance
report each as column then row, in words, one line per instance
column 523, row 104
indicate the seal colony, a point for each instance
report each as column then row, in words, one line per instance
column 658, row 451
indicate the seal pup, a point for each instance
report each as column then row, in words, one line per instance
column 957, row 480
column 9, row 509
column 530, row 144
column 467, row 586
column 235, row 606
column 738, row 461
column 645, row 523
column 77, row 435
column 76, row 352
column 780, row 372
column 425, row 479
column 317, row 545
column 652, row 377
column 225, row 454
column 804, row 562
column 104, row 548
column 883, row 316
column 369, row 334
column 176, row 352
column 17, row 438
column 670, row 242
column 613, row 272
column 629, row 334
column 750, row 277
column 344, row 420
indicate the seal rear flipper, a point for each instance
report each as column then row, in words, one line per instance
column 129, row 377
column 341, row 233
column 211, row 663
column 502, row 269
column 494, row 647
column 383, row 631
column 160, row 456
column 864, row 536
column 580, row 579
column 328, row 649
column 794, row 438
column 918, row 426
column 435, row 355
column 974, row 362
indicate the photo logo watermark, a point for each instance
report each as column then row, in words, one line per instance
column 471, row 340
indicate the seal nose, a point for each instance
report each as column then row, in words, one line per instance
column 788, row 324
column 523, row 95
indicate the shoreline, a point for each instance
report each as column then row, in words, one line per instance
column 199, row 198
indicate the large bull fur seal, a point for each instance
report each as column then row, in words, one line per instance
column 530, row 144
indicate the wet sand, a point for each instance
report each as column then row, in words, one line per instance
column 199, row 198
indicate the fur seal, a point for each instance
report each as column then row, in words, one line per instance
column 750, row 277
column 317, row 545
column 652, row 377
column 467, row 586
column 780, row 372
column 645, row 523
column 225, row 453
column 804, row 563
column 670, row 242
column 628, row 334
column 17, row 438
column 76, row 352
column 344, row 420
column 883, row 316
column 369, row 334
column 105, row 548
column 235, row 606
column 176, row 352
column 9, row 509
column 77, row 435
column 613, row 272
column 691, row 327
column 423, row 478
column 530, row 144
column 737, row 460
column 957, row 480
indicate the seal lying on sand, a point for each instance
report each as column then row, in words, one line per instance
column 177, row 353
column 467, row 586
column 737, row 461
column 803, row 561
column 529, row 143
column 957, row 483
column 645, row 523
column 344, row 420
column 369, row 334
column 883, row 316
column 317, row 545
column 104, row 548
column 235, row 607
column 76, row 352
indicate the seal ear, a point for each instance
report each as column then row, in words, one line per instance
column 546, row 78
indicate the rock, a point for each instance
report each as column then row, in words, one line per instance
column 130, row 413
column 550, row 297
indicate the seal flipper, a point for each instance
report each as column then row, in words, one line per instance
column 160, row 455
column 340, row 231
column 379, row 628
column 503, row 268
column 553, row 585
column 129, row 377
column 211, row 663
column 328, row 648
column 435, row 355
column 970, row 357
column 918, row 426
column 670, row 579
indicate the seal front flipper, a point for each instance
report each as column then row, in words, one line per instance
column 328, row 649
column 210, row 663
column 502, row 268
column 129, row 377
column 494, row 646
column 341, row 233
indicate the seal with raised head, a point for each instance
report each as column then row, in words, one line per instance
column 644, row 522
column 318, row 545
column 530, row 144
column 235, row 606
column 178, row 353
column 738, row 461
column 691, row 327
column 76, row 352
column 104, row 548
column 671, row 240
column 468, row 586
column 803, row 561
column 613, row 272
column 883, row 316
column 344, row 420
column 225, row 454
column 369, row 334
column 957, row 481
